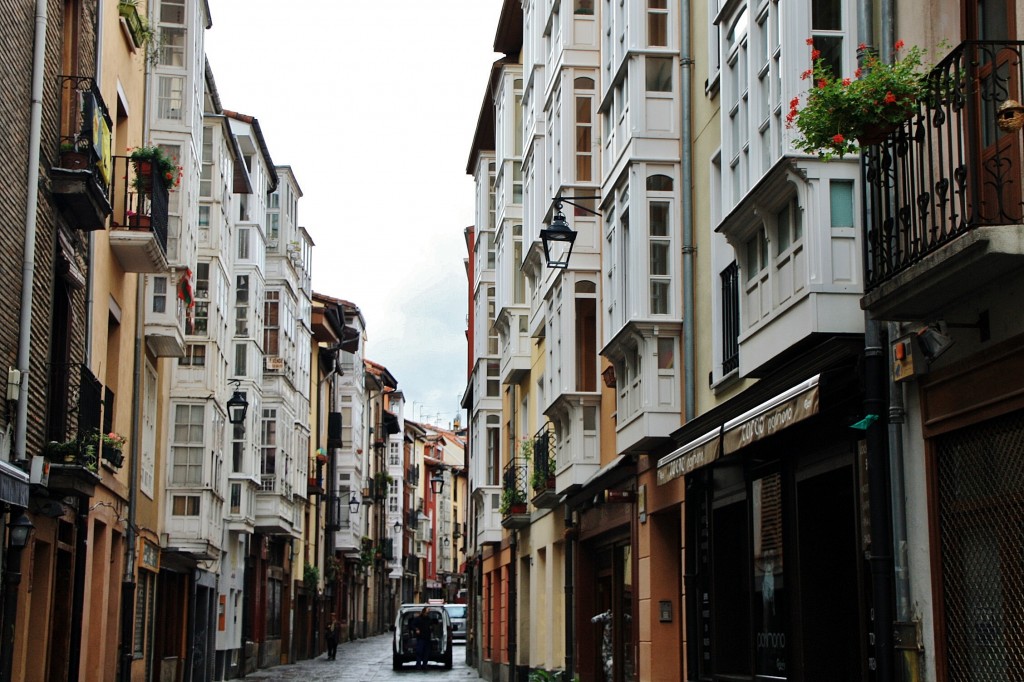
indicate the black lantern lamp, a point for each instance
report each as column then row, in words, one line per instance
column 237, row 407
column 447, row 543
column 20, row 529
column 437, row 483
column 558, row 238
column 398, row 527
column 18, row 532
column 353, row 504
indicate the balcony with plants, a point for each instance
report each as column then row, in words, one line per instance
column 943, row 185
column 78, row 453
column 138, row 229
column 541, row 451
column 81, row 175
column 514, row 509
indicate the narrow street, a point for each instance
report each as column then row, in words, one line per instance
column 366, row 660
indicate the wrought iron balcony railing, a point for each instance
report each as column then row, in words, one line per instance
column 950, row 168
column 140, row 201
column 84, row 142
column 543, row 458
column 514, row 480
column 81, row 172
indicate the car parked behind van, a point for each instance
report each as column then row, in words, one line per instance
column 457, row 613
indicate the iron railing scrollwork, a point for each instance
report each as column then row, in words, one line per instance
column 949, row 168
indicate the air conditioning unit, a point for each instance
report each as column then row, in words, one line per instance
column 273, row 363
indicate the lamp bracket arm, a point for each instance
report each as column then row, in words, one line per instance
column 563, row 200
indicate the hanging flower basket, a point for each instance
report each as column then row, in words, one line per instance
column 841, row 115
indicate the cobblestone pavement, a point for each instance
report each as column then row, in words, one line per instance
column 366, row 660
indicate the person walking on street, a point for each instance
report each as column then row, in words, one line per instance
column 421, row 626
column 331, row 635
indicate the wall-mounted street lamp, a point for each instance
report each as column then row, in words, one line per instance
column 558, row 238
column 398, row 527
column 437, row 483
column 237, row 406
column 353, row 504
column 18, row 531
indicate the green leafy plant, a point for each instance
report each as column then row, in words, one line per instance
column 167, row 166
column 546, row 675
column 511, row 497
column 838, row 113
column 78, row 451
column 332, row 569
column 311, row 577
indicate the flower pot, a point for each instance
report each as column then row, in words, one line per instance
column 876, row 134
column 115, row 456
column 140, row 221
column 517, row 508
column 143, row 176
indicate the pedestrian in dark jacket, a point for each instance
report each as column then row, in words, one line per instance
column 421, row 626
column 331, row 635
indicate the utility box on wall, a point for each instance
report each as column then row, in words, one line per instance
column 907, row 359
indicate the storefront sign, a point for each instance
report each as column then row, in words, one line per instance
column 767, row 419
column 690, row 457
column 150, row 556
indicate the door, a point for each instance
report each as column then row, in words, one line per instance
column 995, row 66
column 830, row 600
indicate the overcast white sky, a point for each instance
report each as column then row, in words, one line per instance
column 374, row 104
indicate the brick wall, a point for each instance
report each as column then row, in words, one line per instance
column 16, row 48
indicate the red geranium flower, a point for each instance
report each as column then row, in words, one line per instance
column 815, row 54
column 838, row 138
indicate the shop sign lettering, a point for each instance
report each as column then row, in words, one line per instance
column 772, row 421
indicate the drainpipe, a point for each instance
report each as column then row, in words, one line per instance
column 128, row 578
column 686, row 204
column 31, row 211
column 908, row 653
column 879, row 494
column 513, row 600
column 879, row 490
column 570, row 623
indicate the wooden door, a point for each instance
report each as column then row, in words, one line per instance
column 996, row 77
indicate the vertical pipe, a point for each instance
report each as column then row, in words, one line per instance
column 570, row 623
column 686, row 204
column 513, row 599
column 31, row 212
column 879, row 495
column 128, row 578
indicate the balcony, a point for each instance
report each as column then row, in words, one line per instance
column 138, row 231
column 486, row 504
column 80, row 179
column 165, row 315
column 515, row 344
column 944, row 189
column 542, row 480
column 514, row 510
column 194, row 523
column 274, row 506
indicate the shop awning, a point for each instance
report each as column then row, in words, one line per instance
column 771, row 416
column 695, row 454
